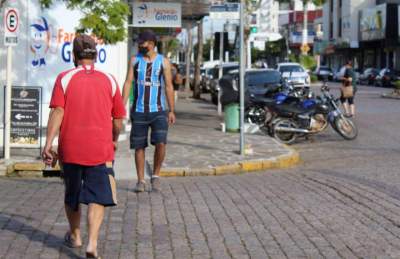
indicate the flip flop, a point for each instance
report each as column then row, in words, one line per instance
column 91, row 255
column 68, row 241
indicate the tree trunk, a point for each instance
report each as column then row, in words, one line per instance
column 199, row 60
column 188, row 56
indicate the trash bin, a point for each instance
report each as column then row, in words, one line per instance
column 232, row 117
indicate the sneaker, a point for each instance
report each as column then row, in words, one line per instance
column 140, row 187
column 155, row 184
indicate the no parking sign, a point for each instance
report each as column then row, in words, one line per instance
column 11, row 26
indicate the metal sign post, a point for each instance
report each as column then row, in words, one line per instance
column 7, row 111
column 241, row 74
column 11, row 26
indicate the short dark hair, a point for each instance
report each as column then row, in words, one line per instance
column 349, row 62
column 84, row 47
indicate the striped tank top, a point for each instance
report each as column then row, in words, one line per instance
column 149, row 86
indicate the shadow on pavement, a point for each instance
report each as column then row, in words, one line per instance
column 34, row 234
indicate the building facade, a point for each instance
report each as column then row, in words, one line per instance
column 291, row 24
column 365, row 31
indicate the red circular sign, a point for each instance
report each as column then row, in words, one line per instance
column 12, row 23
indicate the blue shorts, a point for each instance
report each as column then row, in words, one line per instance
column 141, row 122
column 89, row 184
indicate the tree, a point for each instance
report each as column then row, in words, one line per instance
column 171, row 47
column 104, row 18
column 199, row 60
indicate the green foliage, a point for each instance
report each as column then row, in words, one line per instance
column 293, row 58
column 308, row 62
column 313, row 78
column 397, row 84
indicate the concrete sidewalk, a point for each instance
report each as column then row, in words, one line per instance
column 197, row 146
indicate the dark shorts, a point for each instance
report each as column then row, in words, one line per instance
column 89, row 184
column 141, row 122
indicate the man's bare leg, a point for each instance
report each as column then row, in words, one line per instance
column 74, row 219
column 159, row 156
column 95, row 218
column 139, row 160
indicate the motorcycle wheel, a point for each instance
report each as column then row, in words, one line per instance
column 346, row 128
column 285, row 137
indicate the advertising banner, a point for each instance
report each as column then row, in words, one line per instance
column 373, row 23
column 150, row 14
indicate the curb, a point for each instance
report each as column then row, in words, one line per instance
column 389, row 96
column 247, row 166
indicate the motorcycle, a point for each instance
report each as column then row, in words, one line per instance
column 295, row 117
column 257, row 109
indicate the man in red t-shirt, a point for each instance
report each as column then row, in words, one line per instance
column 87, row 110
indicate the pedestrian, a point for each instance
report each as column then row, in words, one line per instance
column 348, row 90
column 153, row 87
column 176, row 80
column 87, row 110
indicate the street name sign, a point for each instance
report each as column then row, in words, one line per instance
column 229, row 11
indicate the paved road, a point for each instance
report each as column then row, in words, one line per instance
column 343, row 202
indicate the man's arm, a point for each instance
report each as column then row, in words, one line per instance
column 169, row 89
column 117, row 128
column 128, row 82
column 53, row 127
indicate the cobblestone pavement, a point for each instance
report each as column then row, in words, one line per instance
column 343, row 202
column 274, row 215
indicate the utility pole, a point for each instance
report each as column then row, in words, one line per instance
column 220, row 72
column 305, row 29
column 241, row 74
column 212, row 41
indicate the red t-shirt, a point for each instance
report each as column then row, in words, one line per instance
column 90, row 99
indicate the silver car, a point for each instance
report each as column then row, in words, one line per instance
column 294, row 73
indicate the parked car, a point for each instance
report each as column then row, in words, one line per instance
column 214, row 82
column 387, row 77
column 257, row 83
column 339, row 74
column 323, row 72
column 368, row 76
column 294, row 73
column 182, row 71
